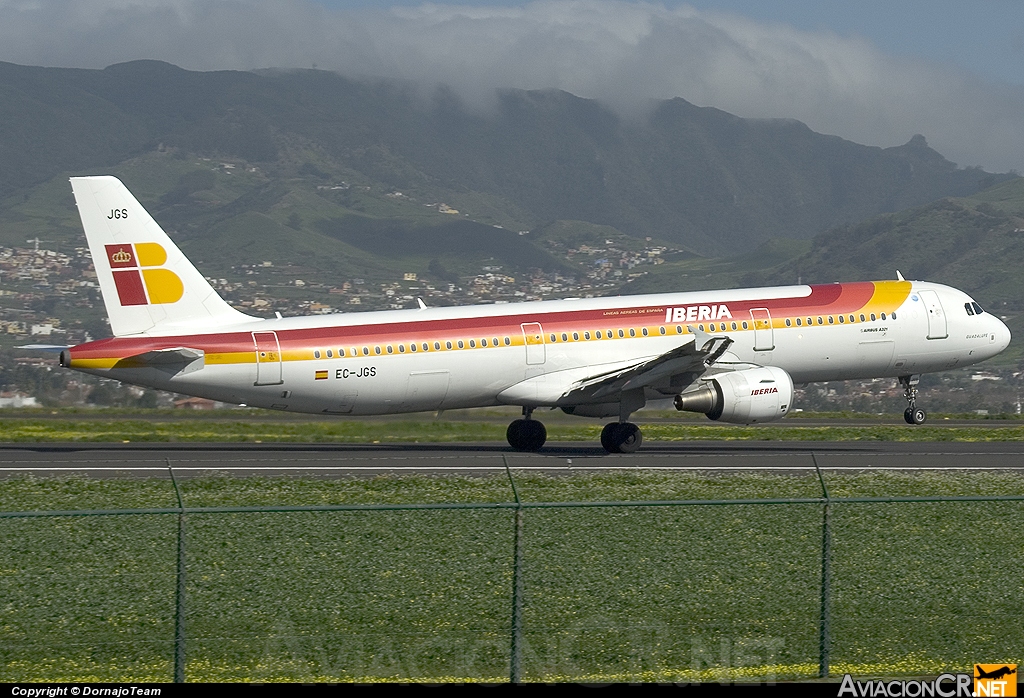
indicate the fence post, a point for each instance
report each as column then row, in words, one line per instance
column 517, row 584
column 179, row 607
column 825, row 637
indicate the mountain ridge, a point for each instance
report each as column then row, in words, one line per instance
column 694, row 176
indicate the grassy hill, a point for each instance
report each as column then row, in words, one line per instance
column 696, row 177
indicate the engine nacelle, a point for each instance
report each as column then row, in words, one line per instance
column 742, row 397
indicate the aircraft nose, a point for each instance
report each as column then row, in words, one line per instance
column 1002, row 333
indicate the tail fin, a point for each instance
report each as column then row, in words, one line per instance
column 148, row 285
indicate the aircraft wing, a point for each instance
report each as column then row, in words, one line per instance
column 686, row 358
column 584, row 386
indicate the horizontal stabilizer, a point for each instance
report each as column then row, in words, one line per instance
column 175, row 360
column 55, row 348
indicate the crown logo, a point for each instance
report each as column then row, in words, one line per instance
column 120, row 257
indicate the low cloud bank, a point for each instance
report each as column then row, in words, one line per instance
column 620, row 52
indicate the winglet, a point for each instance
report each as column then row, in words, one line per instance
column 899, row 276
column 420, row 303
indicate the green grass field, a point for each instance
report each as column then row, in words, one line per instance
column 105, row 429
column 689, row 593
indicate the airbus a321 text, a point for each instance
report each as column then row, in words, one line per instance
column 733, row 355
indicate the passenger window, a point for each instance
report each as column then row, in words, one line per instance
column 745, row 323
column 831, row 320
column 799, row 322
column 316, row 354
column 862, row 317
column 437, row 346
column 391, row 349
column 819, row 320
column 483, row 342
column 401, row 348
column 341, row 352
column 553, row 338
column 883, row 316
column 366, row 351
column 598, row 334
column 448, row 345
column 644, row 330
column 376, row 350
column 621, row 334
column 575, row 336
column 852, row 319
column 507, row 341
column 842, row 319
column 462, row 345
column 872, row 317
column 789, row 322
column 586, row 335
column 330, row 353
column 472, row 344
column 632, row 332
column 662, row 330
column 679, row 329
column 810, row 321
column 893, row 316
column 734, row 326
column 495, row 340
column 413, row 346
column 565, row 337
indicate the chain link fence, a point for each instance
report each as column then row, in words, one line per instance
column 531, row 588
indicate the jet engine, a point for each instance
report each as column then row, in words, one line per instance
column 741, row 397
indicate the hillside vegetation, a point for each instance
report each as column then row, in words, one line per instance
column 328, row 148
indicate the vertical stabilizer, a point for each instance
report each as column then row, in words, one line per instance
column 148, row 285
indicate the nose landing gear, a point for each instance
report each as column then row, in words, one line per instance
column 913, row 414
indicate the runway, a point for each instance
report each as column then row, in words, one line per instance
column 479, row 459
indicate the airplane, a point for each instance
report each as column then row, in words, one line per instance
column 733, row 355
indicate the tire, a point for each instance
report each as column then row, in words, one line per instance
column 526, row 435
column 918, row 415
column 908, row 416
column 630, row 438
column 609, row 439
column 621, row 437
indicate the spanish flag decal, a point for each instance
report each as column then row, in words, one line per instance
column 321, row 375
column 139, row 275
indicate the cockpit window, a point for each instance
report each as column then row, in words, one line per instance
column 977, row 308
column 968, row 308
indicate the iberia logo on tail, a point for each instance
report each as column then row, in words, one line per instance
column 139, row 276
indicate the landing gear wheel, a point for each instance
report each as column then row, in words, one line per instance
column 913, row 414
column 621, row 437
column 526, row 435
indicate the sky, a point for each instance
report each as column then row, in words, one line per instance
column 870, row 71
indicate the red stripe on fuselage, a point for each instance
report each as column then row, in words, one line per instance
column 831, row 298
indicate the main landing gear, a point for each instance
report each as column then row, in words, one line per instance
column 621, row 437
column 913, row 414
column 526, row 434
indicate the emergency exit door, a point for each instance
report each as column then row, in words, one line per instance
column 533, row 337
column 268, row 358
column 764, row 336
